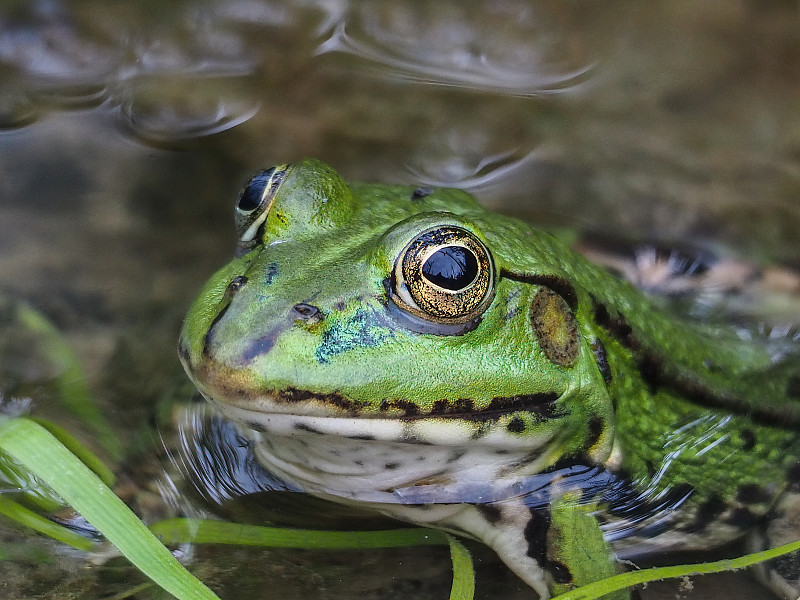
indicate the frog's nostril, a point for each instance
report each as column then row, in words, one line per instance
column 234, row 286
column 421, row 192
column 307, row 313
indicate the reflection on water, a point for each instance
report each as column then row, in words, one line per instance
column 439, row 165
column 195, row 73
column 512, row 49
column 168, row 109
column 212, row 456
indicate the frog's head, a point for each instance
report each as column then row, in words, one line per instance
column 397, row 313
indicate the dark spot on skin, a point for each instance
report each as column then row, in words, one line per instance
column 750, row 493
column 787, row 566
column 555, row 327
column 748, row 439
column 596, row 427
column 262, row 345
column 559, row 571
column 516, row 425
column 271, row 273
column 457, row 407
column 482, row 429
column 304, row 427
column 413, row 439
column 392, row 466
column 707, row 512
column 255, row 426
column 421, row 192
column 601, row 358
column 359, row 462
column 560, row 286
column 490, row 512
column 793, row 387
column 741, row 518
column 650, row 372
column 456, row 455
column 363, row 437
column 617, row 326
column 439, row 406
column 293, row 395
column 307, row 313
column 793, row 477
column 409, row 408
column 536, row 535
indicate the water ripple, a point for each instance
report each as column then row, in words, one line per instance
column 163, row 109
column 509, row 49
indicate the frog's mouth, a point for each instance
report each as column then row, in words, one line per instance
column 298, row 412
column 295, row 411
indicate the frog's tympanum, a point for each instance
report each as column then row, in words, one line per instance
column 407, row 350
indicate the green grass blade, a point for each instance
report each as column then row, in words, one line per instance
column 598, row 589
column 463, row 573
column 36, row 448
column 85, row 455
column 200, row 531
column 25, row 516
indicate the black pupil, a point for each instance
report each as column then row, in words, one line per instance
column 451, row 268
column 254, row 191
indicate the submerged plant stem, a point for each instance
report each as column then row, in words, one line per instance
column 598, row 589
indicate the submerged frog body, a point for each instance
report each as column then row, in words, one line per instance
column 407, row 350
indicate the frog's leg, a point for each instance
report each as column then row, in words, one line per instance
column 551, row 549
column 576, row 549
column 781, row 574
column 516, row 533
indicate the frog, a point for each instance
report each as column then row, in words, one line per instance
column 404, row 349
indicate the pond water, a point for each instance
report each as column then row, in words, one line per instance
column 126, row 130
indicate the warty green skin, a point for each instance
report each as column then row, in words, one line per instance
column 693, row 426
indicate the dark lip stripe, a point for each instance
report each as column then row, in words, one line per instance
column 541, row 404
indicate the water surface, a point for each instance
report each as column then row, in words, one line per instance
column 127, row 129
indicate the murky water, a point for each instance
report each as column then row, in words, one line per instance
column 126, row 130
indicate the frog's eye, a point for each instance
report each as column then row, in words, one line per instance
column 445, row 275
column 254, row 202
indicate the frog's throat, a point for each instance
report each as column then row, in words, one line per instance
column 390, row 461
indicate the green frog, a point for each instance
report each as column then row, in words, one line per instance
column 404, row 349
